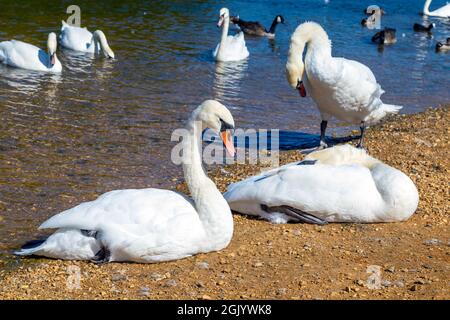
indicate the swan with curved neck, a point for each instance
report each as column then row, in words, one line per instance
column 442, row 12
column 341, row 88
column 80, row 39
column 339, row 184
column 230, row 48
column 150, row 225
column 27, row 56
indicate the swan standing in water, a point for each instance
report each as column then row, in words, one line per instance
column 23, row 55
column 442, row 12
column 80, row 39
column 230, row 48
column 339, row 184
column 150, row 225
column 345, row 89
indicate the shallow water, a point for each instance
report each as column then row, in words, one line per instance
column 103, row 125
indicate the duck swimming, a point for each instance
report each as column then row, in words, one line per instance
column 386, row 36
column 440, row 46
column 421, row 28
column 256, row 28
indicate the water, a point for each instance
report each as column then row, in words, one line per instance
column 103, row 125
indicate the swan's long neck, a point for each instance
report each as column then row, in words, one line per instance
column 312, row 35
column 212, row 208
column 226, row 25
column 426, row 7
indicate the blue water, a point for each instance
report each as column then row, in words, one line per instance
column 104, row 124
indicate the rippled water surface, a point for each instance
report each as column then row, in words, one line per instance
column 103, row 125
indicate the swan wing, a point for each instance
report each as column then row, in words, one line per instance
column 331, row 193
column 23, row 55
column 76, row 38
column 443, row 11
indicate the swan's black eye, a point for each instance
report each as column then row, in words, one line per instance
column 224, row 126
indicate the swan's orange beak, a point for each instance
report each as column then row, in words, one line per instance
column 227, row 139
column 301, row 89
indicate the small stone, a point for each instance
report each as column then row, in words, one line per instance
column 390, row 269
column 398, row 283
column 144, row 291
column 200, row 284
column 118, row 277
column 157, row 276
column 205, row 297
column 432, row 242
column 281, row 291
column 202, row 265
column 258, row 264
column 171, row 283
column 419, row 281
column 414, row 288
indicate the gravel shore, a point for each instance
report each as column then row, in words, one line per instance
column 409, row 260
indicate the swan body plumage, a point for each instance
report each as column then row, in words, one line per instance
column 442, row 12
column 339, row 184
column 148, row 225
column 341, row 88
column 81, row 39
column 23, row 55
column 230, row 48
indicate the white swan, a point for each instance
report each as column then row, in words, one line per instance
column 27, row 56
column 230, row 48
column 80, row 39
column 339, row 184
column 442, row 12
column 150, row 225
column 345, row 89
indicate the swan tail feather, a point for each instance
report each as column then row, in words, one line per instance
column 30, row 247
column 383, row 111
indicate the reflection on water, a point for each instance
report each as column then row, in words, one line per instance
column 106, row 124
column 227, row 81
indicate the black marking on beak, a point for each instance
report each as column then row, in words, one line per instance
column 224, row 126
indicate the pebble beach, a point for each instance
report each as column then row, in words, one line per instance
column 407, row 260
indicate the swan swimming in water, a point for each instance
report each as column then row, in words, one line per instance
column 150, row 225
column 338, row 184
column 80, row 39
column 23, row 55
column 442, row 12
column 230, row 48
column 345, row 89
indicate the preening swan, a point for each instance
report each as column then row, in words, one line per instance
column 230, row 48
column 442, row 12
column 256, row 28
column 80, row 39
column 27, row 56
column 338, row 184
column 150, row 225
column 345, row 89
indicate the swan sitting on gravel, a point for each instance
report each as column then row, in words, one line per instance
column 339, row 184
column 230, row 48
column 345, row 89
column 27, row 56
column 150, row 225
column 80, row 39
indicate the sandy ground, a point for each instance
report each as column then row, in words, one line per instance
column 409, row 260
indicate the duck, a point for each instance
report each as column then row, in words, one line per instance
column 256, row 28
column 440, row 46
column 24, row 55
column 386, row 36
column 230, row 48
column 81, row 39
column 150, row 225
column 341, row 88
column 341, row 184
column 421, row 28
column 442, row 12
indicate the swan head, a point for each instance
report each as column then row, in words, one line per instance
column 224, row 14
column 218, row 118
column 99, row 36
column 52, row 45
